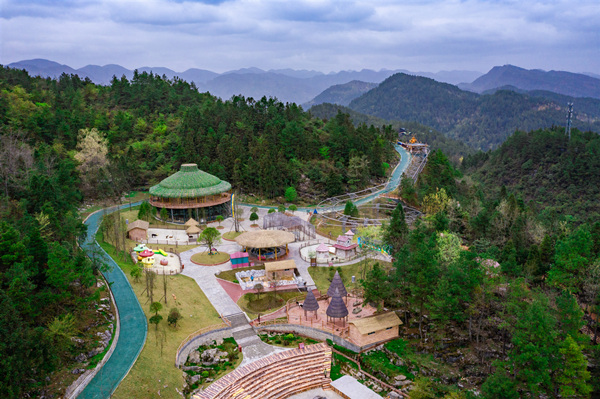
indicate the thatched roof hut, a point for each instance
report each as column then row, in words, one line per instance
column 191, row 222
column 371, row 324
column 189, row 182
column 337, row 285
column 265, row 238
column 191, row 191
column 310, row 302
column 280, row 265
column 138, row 224
column 193, row 230
column 337, row 308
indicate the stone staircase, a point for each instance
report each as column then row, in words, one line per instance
column 253, row 348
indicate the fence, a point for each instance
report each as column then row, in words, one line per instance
column 336, row 260
column 388, row 386
column 198, row 333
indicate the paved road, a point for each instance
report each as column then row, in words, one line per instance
column 133, row 325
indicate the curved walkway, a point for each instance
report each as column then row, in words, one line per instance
column 133, row 323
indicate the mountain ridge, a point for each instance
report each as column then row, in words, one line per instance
column 561, row 82
column 482, row 121
column 288, row 85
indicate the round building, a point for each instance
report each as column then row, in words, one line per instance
column 192, row 193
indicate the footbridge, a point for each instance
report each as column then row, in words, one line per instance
column 332, row 209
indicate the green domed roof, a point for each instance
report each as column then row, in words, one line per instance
column 189, row 182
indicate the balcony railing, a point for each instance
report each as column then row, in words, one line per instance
column 182, row 203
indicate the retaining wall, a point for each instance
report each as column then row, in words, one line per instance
column 311, row 333
column 203, row 339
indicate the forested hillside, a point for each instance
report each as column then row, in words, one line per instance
column 48, row 292
column 454, row 149
column 493, row 288
column 341, row 94
column 145, row 128
column 561, row 176
column 482, row 121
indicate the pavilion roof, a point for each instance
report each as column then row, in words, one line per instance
column 310, row 302
column 337, row 308
column 337, row 285
column 191, row 222
column 193, row 230
column 265, row 238
column 189, row 182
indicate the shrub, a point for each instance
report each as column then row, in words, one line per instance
column 204, row 373
column 291, row 194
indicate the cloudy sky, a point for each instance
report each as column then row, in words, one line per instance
column 327, row 35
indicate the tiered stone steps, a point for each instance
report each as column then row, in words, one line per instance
column 276, row 376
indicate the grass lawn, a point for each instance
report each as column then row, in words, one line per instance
column 229, row 275
column 266, row 302
column 205, row 258
column 327, row 228
column 231, row 235
column 154, row 375
column 322, row 275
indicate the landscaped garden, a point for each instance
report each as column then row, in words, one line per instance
column 205, row 258
column 210, row 362
column 266, row 302
column 231, row 235
column 286, row 340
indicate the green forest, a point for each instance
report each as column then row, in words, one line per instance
column 146, row 128
column 560, row 176
column 454, row 149
column 491, row 282
column 502, row 271
column 481, row 121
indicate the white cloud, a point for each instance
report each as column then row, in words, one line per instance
column 324, row 35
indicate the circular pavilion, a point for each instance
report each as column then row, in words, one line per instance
column 192, row 192
column 266, row 244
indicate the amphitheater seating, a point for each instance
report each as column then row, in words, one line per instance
column 276, row 376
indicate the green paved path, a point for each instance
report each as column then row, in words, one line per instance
column 132, row 320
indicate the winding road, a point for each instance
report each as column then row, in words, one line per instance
column 133, row 325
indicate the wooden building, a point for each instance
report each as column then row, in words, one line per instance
column 373, row 329
column 138, row 230
column 280, row 270
column 192, row 193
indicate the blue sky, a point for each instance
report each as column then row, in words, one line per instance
column 326, row 35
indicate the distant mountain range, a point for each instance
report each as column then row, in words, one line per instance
column 561, row 82
column 482, row 121
column 341, row 94
column 288, row 85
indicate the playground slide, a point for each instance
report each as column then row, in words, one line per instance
column 160, row 251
